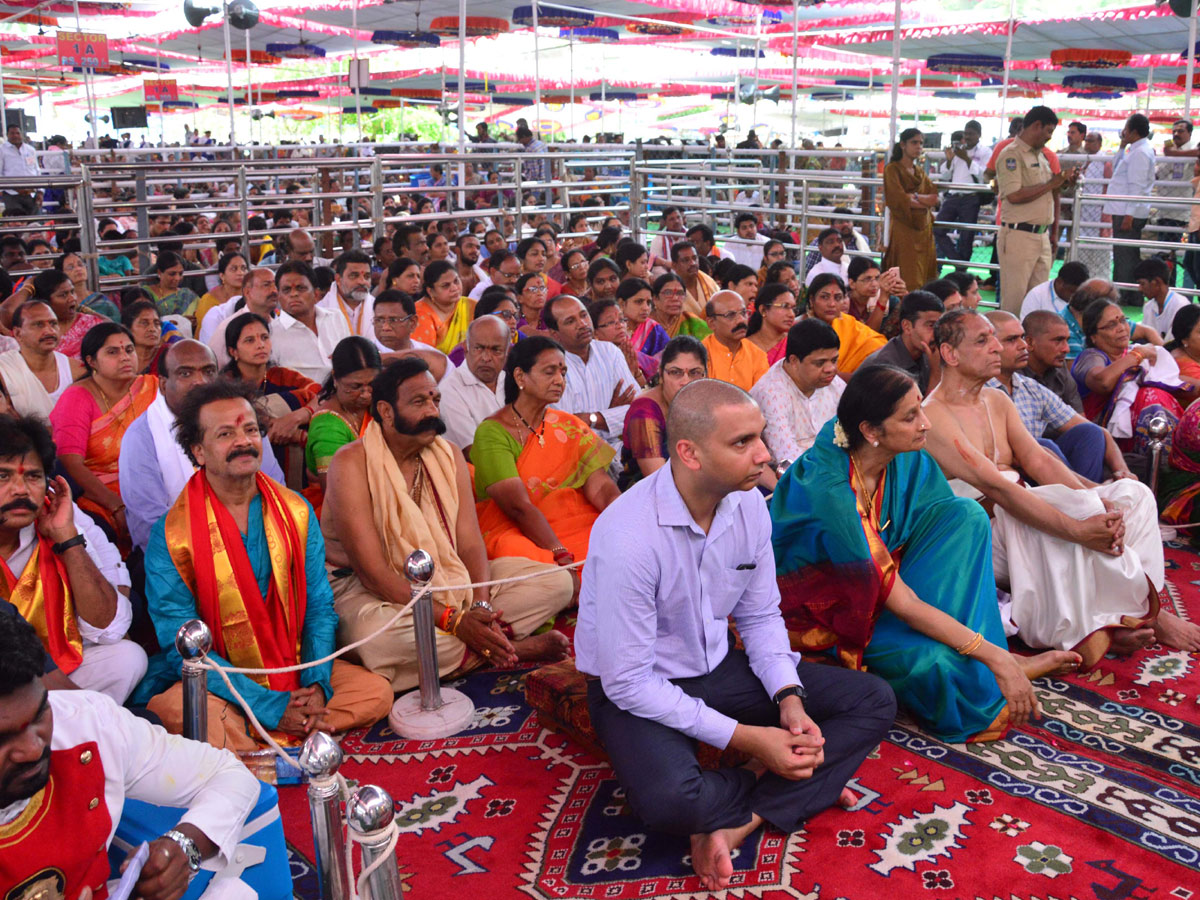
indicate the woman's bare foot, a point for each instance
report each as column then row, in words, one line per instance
column 847, row 799
column 1052, row 662
column 1130, row 640
column 712, row 854
column 1175, row 633
column 549, row 646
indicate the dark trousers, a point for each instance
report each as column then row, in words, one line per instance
column 1191, row 259
column 19, row 204
column 957, row 208
column 1081, row 448
column 1127, row 257
column 670, row 792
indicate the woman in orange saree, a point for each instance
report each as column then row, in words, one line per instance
column 541, row 475
column 92, row 415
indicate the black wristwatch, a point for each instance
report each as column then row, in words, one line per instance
column 792, row 690
column 78, row 541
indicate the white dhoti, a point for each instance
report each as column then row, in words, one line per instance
column 1062, row 592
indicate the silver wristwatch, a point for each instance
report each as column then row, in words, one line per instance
column 189, row 848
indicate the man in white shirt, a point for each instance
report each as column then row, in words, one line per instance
column 1153, row 277
column 259, row 296
column 1133, row 176
column 304, row 335
column 503, row 268
column 72, row 760
column 800, row 393
column 474, row 390
column 670, row 230
column 61, row 572
column 19, row 160
column 350, row 294
column 36, row 374
column 1173, row 178
column 748, row 254
column 833, row 257
column 961, row 166
column 1055, row 295
column 599, row 384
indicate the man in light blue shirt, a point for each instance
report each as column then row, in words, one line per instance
column 669, row 562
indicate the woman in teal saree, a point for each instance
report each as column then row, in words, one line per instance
column 880, row 563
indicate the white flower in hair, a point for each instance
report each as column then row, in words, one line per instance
column 839, row 436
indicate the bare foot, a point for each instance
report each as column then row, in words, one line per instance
column 712, row 857
column 549, row 646
column 1128, row 640
column 847, row 799
column 1175, row 633
column 1052, row 662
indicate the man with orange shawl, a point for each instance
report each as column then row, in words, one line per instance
column 59, row 571
column 416, row 486
column 239, row 552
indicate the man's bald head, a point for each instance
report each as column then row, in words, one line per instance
column 301, row 246
column 487, row 328
column 185, row 365
column 1092, row 290
column 1041, row 321
column 692, row 414
column 723, row 302
column 999, row 316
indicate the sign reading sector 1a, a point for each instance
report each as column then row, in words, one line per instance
column 160, row 89
column 81, row 50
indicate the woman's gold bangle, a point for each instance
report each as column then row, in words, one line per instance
column 971, row 646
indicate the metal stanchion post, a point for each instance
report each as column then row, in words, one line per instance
column 321, row 757
column 370, row 811
column 244, row 206
column 193, row 640
column 377, row 198
column 429, row 712
column 1158, row 429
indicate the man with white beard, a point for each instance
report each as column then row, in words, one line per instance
column 350, row 293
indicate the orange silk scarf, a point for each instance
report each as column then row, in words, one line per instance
column 206, row 546
column 42, row 595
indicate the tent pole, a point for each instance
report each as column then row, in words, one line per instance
column 357, row 79
column 571, row 57
column 463, row 197
column 795, row 62
column 1007, row 68
column 757, row 50
column 229, row 80
column 1191, row 62
column 895, row 72
column 1149, row 88
column 537, row 76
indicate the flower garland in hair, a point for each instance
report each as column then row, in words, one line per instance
column 840, row 439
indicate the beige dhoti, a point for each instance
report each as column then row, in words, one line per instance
column 523, row 605
column 1067, row 597
column 359, row 698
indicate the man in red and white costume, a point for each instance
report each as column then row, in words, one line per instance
column 68, row 762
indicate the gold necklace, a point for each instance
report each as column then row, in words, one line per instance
column 872, row 515
column 541, row 428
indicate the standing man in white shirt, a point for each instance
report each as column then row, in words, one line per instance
column 800, row 393
column 670, row 562
column 19, row 160
column 304, row 335
column 599, row 387
column 962, row 166
column 1173, row 179
column 1133, row 176
column 475, row 390
column 350, row 294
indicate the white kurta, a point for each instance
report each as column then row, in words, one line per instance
column 1061, row 591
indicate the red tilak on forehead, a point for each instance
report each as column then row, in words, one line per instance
column 240, row 419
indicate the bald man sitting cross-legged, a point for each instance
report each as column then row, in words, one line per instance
column 1084, row 565
column 668, row 563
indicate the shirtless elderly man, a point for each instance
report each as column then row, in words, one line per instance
column 1076, row 560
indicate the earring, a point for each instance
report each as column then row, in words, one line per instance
column 874, row 443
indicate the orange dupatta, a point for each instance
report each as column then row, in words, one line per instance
column 104, row 440
column 206, row 547
column 42, row 595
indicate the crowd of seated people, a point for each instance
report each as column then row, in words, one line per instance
column 501, row 400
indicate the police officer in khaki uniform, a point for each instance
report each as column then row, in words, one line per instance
column 1026, row 188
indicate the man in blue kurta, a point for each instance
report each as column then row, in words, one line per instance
column 238, row 551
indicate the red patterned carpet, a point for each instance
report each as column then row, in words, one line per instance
column 1100, row 799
